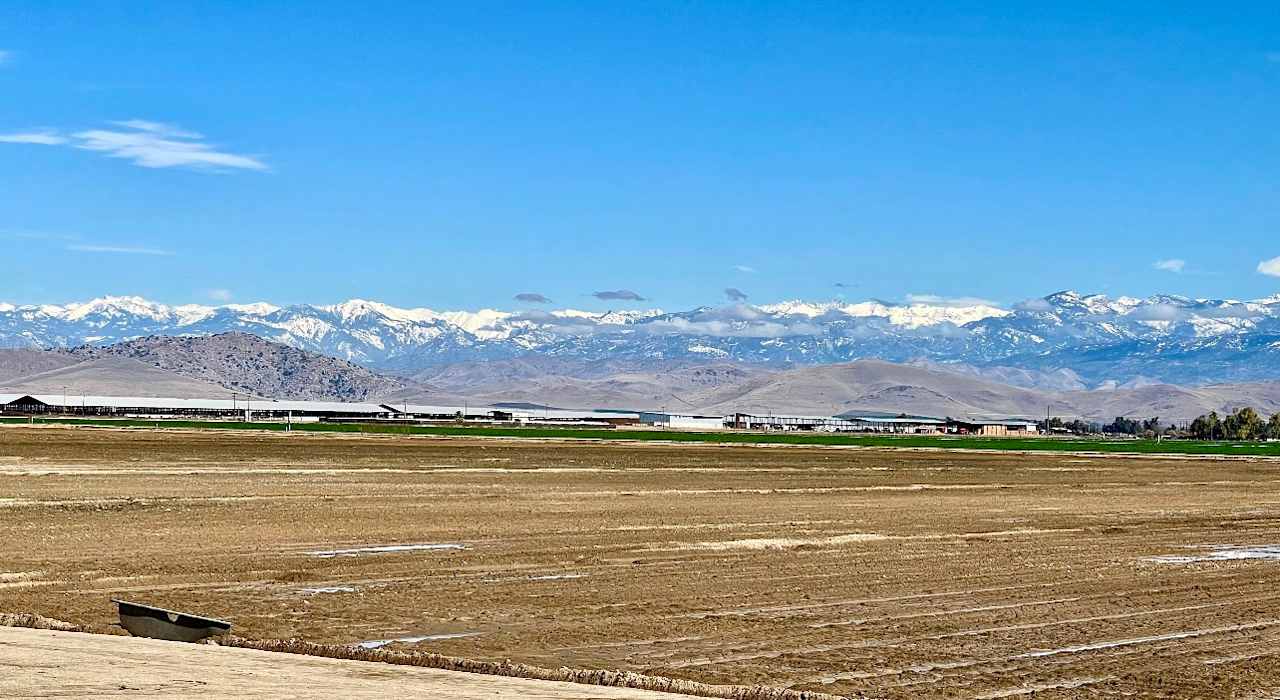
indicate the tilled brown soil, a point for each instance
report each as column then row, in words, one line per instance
column 890, row 573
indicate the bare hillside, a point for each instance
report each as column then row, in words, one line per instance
column 250, row 364
column 16, row 362
column 113, row 376
column 679, row 387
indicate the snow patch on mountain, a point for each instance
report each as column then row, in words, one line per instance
column 1164, row 337
column 904, row 315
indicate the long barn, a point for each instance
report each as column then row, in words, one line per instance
column 150, row 406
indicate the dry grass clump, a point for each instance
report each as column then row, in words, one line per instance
column 39, row 622
column 619, row 679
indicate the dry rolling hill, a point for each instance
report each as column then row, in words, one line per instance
column 543, row 381
column 113, row 376
column 250, row 364
column 203, row 366
column 216, row 365
column 861, row 386
column 22, row 362
column 875, row 386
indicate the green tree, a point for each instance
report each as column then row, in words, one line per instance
column 1273, row 427
column 1231, row 427
column 1206, row 427
column 1252, row 424
column 1244, row 424
column 1124, row 426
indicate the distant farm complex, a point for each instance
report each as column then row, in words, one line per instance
column 246, row 408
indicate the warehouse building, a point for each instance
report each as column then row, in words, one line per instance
column 522, row 416
column 265, row 409
column 914, row 425
column 1016, row 427
column 682, row 421
column 160, row 407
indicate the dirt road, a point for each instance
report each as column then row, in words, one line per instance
column 44, row 664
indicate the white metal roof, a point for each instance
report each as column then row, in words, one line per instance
column 524, row 413
column 162, row 403
column 898, row 421
column 781, row 416
column 432, row 410
column 562, row 414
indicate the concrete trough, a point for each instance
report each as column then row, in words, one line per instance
column 158, row 623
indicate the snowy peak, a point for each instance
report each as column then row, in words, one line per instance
column 1165, row 336
column 913, row 315
column 114, row 307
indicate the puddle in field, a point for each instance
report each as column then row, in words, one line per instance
column 328, row 589
column 775, row 543
column 1221, row 552
column 784, row 542
column 377, row 643
column 384, row 549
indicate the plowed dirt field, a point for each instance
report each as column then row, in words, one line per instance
column 888, row 573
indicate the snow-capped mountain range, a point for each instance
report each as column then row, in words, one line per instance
column 1088, row 339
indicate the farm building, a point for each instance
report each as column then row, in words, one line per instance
column 563, row 417
column 682, row 421
column 246, row 408
column 421, row 412
column 842, row 424
column 993, row 428
column 150, row 406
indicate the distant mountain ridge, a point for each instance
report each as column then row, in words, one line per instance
column 209, row 366
column 1062, row 341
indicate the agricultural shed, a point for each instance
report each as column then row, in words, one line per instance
column 151, row 406
column 684, row 421
column 994, row 427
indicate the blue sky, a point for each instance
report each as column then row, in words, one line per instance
column 455, row 155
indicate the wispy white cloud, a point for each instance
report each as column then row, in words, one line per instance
column 158, row 128
column 745, row 268
column 42, row 137
column 146, row 144
column 1270, row 268
column 935, row 300
column 117, row 249
column 220, row 294
column 1171, row 265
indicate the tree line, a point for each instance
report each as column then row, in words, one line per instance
column 1241, row 424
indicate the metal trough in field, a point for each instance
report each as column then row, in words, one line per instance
column 159, row 623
